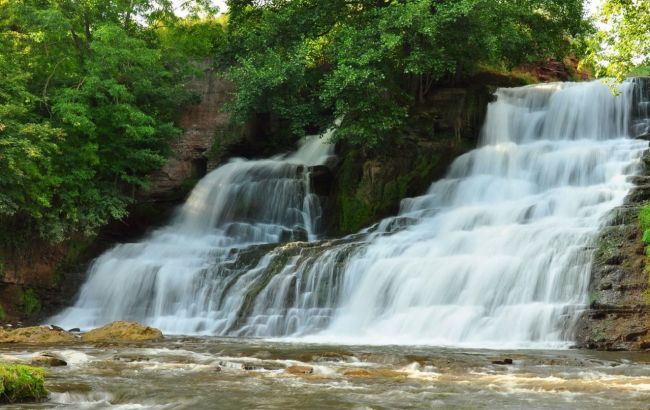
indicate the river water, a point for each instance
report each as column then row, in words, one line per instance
column 230, row 373
column 494, row 256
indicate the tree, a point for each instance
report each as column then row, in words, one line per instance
column 622, row 46
column 88, row 97
column 369, row 62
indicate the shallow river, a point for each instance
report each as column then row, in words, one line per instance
column 219, row 373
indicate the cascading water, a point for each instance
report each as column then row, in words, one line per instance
column 173, row 278
column 496, row 254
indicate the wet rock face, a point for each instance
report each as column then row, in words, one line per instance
column 200, row 123
column 618, row 317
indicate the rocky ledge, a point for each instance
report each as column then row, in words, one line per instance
column 618, row 317
column 115, row 332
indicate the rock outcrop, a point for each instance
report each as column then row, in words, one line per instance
column 121, row 331
column 47, row 359
column 36, row 335
column 200, row 123
column 618, row 317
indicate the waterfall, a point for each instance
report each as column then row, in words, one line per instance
column 496, row 254
column 172, row 279
column 499, row 255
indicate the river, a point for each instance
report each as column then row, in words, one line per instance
column 233, row 373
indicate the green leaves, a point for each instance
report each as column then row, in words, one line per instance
column 622, row 46
column 371, row 62
column 87, row 101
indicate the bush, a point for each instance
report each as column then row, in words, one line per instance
column 19, row 383
column 644, row 223
column 644, row 217
column 31, row 303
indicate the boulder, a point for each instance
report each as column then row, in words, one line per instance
column 35, row 335
column 47, row 359
column 382, row 373
column 300, row 370
column 122, row 331
column 504, row 362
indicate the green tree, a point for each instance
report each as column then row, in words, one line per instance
column 88, row 95
column 370, row 62
column 622, row 46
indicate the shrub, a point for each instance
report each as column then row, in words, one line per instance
column 19, row 383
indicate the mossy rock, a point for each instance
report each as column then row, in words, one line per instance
column 36, row 335
column 21, row 383
column 122, row 331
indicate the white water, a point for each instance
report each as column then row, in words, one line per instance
column 496, row 254
column 497, row 257
column 170, row 279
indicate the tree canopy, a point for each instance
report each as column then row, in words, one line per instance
column 368, row 61
column 622, row 46
column 88, row 94
column 89, row 89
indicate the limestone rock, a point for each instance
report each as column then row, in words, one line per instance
column 122, row 331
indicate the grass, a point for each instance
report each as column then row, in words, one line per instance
column 20, row 383
column 31, row 302
column 644, row 223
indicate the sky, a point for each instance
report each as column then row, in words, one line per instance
column 219, row 3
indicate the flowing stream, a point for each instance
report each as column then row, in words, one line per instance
column 496, row 254
column 226, row 373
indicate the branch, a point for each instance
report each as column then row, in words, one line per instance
column 47, row 83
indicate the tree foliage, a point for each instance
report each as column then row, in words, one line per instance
column 88, row 94
column 369, row 61
column 622, row 46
